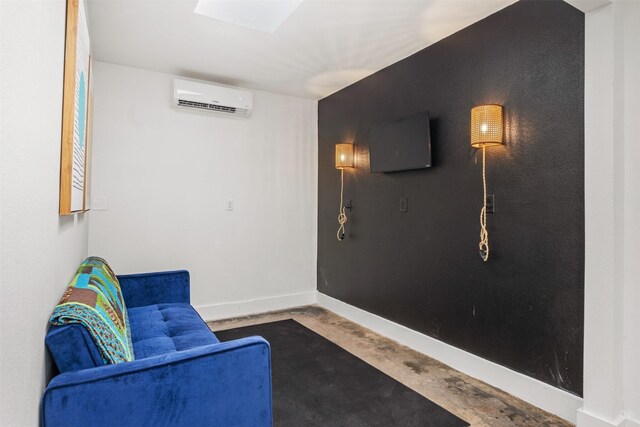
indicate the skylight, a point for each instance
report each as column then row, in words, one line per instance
column 262, row 15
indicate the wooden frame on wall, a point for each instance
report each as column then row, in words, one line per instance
column 76, row 100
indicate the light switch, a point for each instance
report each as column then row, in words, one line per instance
column 229, row 205
column 100, row 203
column 491, row 203
column 404, row 205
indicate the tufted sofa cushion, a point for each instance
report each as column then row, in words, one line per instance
column 165, row 328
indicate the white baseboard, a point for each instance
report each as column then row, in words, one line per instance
column 255, row 306
column 549, row 398
column 631, row 423
column 587, row 419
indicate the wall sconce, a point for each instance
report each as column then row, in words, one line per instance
column 486, row 131
column 344, row 159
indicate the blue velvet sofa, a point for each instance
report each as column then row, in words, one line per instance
column 181, row 376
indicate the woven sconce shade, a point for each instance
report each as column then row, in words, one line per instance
column 344, row 156
column 486, row 126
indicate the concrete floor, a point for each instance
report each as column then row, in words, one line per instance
column 474, row 401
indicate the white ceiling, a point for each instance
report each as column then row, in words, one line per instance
column 323, row 46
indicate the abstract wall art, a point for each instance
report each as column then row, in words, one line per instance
column 76, row 100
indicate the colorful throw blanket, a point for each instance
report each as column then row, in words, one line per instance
column 94, row 300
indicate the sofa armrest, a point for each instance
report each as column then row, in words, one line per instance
column 226, row 384
column 155, row 288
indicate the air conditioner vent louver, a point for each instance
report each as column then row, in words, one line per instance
column 204, row 106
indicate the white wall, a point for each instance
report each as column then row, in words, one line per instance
column 40, row 251
column 168, row 175
column 631, row 290
column 612, row 209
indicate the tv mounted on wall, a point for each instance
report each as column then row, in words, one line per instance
column 400, row 145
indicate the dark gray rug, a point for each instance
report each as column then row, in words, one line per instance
column 317, row 383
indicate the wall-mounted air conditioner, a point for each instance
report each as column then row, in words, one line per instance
column 209, row 97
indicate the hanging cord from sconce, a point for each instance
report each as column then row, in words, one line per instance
column 484, row 234
column 342, row 214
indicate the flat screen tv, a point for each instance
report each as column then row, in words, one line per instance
column 400, row 145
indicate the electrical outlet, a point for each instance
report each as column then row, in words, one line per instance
column 404, row 205
column 491, row 203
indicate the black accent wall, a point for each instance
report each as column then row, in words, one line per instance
column 523, row 308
